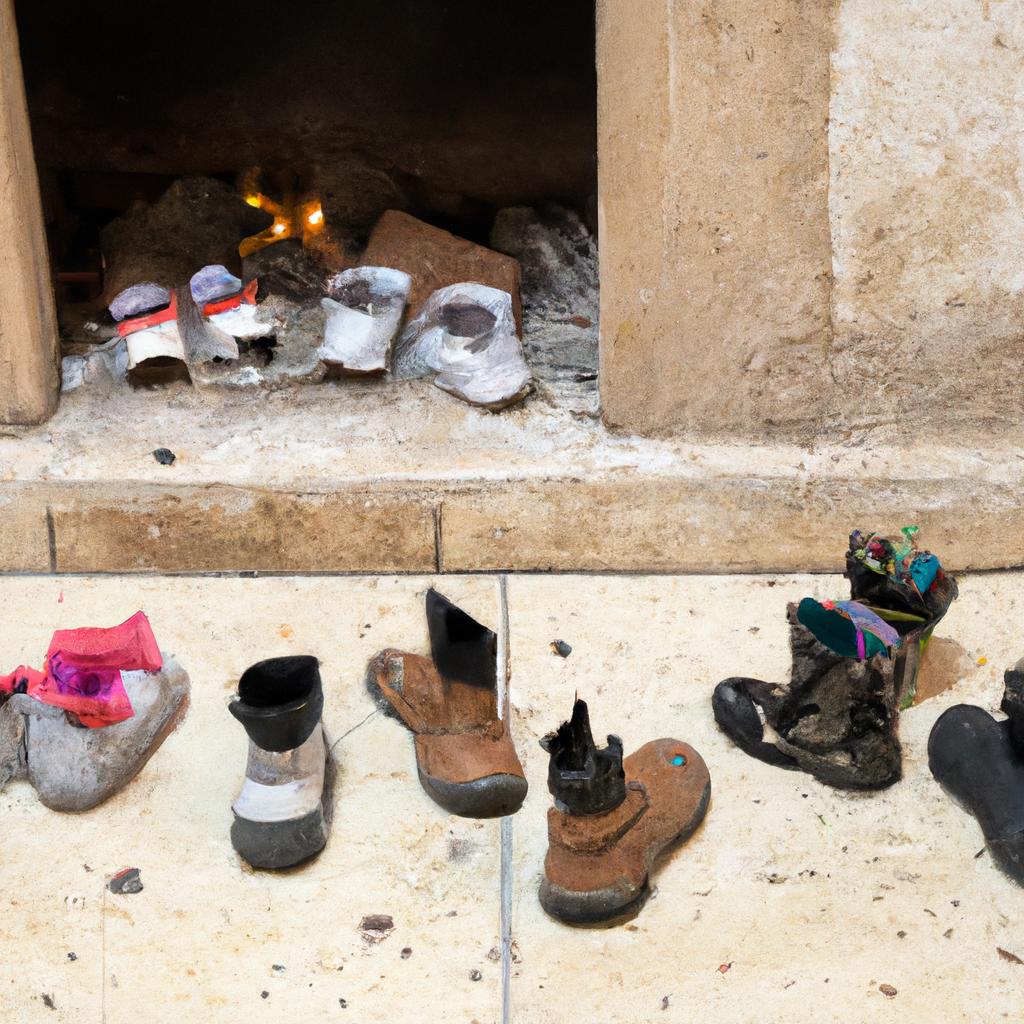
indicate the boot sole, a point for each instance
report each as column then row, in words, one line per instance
column 611, row 906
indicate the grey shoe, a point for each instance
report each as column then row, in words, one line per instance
column 75, row 769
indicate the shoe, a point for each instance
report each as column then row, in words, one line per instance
column 613, row 818
column 74, row 768
column 855, row 666
column 83, row 726
column 464, row 755
column 147, row 318
column 465, row 334
column 227, row 305
column 364, row 310
column 282, row 811
column 975, row 759
column 836, row 719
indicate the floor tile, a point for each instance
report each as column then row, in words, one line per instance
column 793, row 902
column 208, row 939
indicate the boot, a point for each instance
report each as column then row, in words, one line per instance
column 836, row 719
column 855, row 665
column 465, row 335
column 613, row 818
column 282, row 812
column 464, row 755
column 979, row 761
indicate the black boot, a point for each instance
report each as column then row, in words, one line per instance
column 281, row 813
column 979, row 761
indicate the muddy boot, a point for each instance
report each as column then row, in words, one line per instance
column 282, row 812
column 836, row 719
column 979, row 761
column 464, row 755
column 613, row 818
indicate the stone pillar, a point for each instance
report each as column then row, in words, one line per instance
column 29, row 346
column 715, row 243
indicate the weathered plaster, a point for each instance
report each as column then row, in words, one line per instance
column 713, row 166
column 927, row 211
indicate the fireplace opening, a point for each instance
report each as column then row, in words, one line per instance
column 217, row 178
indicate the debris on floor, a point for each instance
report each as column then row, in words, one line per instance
column 376, row 927
column 126, row 883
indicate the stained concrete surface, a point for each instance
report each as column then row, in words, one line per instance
column 403, row 478
column 791, row 903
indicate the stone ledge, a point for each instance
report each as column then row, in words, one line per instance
column 402, row 478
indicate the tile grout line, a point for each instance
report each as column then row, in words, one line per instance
column 505, row 911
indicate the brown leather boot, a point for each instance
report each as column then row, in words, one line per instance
column 464, row 755
column 612, row 819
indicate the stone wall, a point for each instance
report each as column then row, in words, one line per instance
column 927, row 211
column 812, row 215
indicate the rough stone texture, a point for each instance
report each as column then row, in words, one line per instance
column 435, row 258
column 29, row 348
column 401, row 477
column 24, row 542
column 558, row 257
column 223, row 528
column 927, row 210
column 715, row 248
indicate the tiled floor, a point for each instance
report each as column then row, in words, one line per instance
column 791, row 903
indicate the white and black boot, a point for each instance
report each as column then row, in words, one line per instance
column 282, row 812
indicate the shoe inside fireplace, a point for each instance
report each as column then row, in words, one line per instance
column 288, row 143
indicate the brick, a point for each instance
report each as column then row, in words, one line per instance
column 435, row 258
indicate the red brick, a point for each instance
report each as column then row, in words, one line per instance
column 435, row 258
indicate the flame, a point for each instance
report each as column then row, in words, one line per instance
column 293, row 218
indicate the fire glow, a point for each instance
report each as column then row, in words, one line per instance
column 293, row 218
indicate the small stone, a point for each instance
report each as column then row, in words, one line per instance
column 494, row 954
column 561, row 648
column 277, row 967
column 376, row 927
column 475, row 975
column 48, row 1001
column 264, row 994
column 164, row 456
column 72, row 956
column 406, row 952
column 126, row 883
column 343, row 1003
column 887, row 990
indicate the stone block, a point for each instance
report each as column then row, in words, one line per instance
column 24, row 540
column 223, row 528
column 714, row 228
